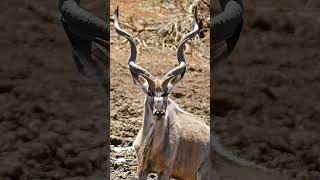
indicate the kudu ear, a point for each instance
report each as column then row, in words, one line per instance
column 144, row 82
column 169, row 82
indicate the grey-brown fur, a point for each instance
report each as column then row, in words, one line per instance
column 175, row 146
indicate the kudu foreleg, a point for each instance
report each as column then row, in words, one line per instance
column 143, row 175
column 165, row 175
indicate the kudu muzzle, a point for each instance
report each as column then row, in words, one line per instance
column 159, row 107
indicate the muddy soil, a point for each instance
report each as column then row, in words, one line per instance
column 52, row 120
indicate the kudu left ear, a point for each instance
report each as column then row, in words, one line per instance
column 169, row 82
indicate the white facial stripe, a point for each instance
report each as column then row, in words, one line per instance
column 158, row 103
column 158, row 94
column 158, row 99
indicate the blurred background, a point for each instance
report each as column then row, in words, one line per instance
column 52, row 120
column 266, row 101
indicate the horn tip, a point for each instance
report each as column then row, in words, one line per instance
column 116, row 12
column 196, row 13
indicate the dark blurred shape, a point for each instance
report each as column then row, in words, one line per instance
column 87, row 33
column 225, row 29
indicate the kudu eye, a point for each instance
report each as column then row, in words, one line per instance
column 164, row 94
column 150, row 94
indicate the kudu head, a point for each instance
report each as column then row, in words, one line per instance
column 156, row 90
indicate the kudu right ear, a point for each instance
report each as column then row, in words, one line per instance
column 144, row 82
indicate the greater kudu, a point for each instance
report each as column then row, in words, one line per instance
column 171, row 142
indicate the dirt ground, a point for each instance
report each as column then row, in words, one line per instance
column 52, row 120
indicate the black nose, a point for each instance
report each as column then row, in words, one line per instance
column 159, row 113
